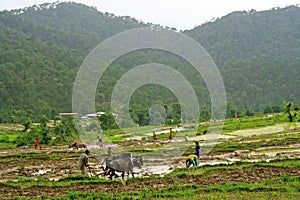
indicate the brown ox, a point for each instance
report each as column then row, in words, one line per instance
column 77, row 145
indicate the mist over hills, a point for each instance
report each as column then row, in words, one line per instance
column 42, row 47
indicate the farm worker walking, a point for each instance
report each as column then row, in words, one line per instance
column 154, row 136
column 109, row 151
column 83, row 162
column 170, row 136
column 36, row 144
column 197, row 149
column 191, row 160
column 100, row 142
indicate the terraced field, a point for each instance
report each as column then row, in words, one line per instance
column 256, row 163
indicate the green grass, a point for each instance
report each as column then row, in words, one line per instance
column 256, row 141
column 4, row 145
column 228, row 126
column 9, row 137
column 284, row 187
column 253, row 122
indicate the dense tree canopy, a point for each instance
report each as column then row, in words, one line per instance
column 43, row 46
column 257, row 54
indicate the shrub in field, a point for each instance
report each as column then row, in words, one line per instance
column 65, row 131
column 289, row 109
column 4, row 139
column 27, row 138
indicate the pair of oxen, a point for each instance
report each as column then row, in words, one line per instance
column 121, row 163
column 116, row 163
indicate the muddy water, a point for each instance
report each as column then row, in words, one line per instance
column 154, row 166
column 156, row 163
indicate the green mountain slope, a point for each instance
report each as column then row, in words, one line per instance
column 78, row 20
column 35, row 77
column 40, row 55
column 258, row 55
column 45, row 33
column 43, row 46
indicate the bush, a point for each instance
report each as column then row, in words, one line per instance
column 27, row 138
column 4, row 139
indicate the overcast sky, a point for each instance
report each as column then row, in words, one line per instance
column 181, row 14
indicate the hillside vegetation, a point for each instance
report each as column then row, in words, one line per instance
column 258, row 55
column 43, row 46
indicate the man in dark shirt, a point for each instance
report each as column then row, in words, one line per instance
column 83, row 163
column 197, row 149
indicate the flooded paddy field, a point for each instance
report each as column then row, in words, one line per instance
column 53, row 171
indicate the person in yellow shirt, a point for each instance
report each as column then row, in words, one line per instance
column 191, row 160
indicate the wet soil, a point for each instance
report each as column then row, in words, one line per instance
column 58, row 162
column 216, row 177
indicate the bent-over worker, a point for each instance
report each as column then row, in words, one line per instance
column 191, row 160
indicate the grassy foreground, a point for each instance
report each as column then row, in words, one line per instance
column 238, row 181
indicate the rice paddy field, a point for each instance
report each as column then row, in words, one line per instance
column 256, row 158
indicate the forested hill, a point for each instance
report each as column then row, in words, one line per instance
column 41, row 50
column 268, row 36
column 42, row 47
column 258, row 54
column 83, row 26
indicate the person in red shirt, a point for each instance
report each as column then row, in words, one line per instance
column 36, row 144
